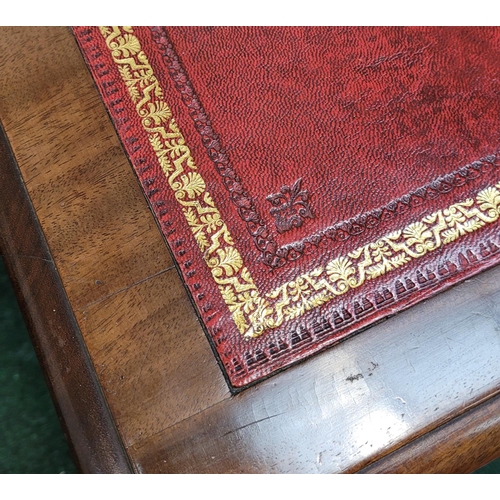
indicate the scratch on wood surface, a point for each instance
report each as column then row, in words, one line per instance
column 409, row 362
column 487, row 316
column 252, row 423
column 125, row 288
column 17, row 255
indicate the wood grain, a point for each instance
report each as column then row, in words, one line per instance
column 461, row 446
column 101, row 233
column 87, row 421
column 352, row 404
column 339, row 411
column 154, row 360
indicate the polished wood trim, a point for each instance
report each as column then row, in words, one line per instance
column 355, row 404
column 339, row 411
column 58, row 342
column 461, row 446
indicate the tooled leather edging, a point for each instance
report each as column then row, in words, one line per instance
column 272, row 254
column 335, row 324
column 247, row 211
column 252, row 311
column 143, row 168
column 299, row 341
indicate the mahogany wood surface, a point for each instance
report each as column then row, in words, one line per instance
column 387, row 392
column 87, row 421
column 462, row 445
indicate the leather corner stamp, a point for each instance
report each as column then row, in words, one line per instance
column 290, row 206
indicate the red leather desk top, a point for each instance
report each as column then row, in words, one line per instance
column 309, row 181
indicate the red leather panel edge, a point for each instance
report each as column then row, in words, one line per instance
column 246, row 362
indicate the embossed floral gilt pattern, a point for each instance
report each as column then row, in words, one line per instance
column 252, row 312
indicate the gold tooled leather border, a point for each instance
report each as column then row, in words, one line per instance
column 253, row 312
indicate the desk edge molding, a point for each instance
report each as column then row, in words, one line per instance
column 75, row 389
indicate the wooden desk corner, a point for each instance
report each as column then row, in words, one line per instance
column 130, row 368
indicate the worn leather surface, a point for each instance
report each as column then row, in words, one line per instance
column 313, row 143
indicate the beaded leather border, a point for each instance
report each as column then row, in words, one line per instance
column 253, row 312
column 272, row 254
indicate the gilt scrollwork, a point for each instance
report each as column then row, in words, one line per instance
column 253, row 312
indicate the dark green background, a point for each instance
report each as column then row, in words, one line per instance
column 31, row 439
